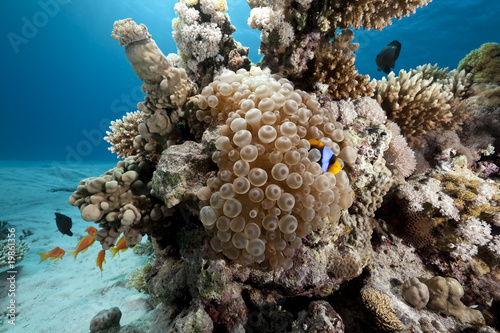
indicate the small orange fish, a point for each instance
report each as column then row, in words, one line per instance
column 83, row 245
column 91, row 230
column 100, row 259
column 121, row 246
column 54, row 254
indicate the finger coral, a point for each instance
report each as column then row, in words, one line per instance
column 120, row 202
column 269, row 191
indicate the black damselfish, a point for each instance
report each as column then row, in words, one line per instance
column 386, row 59
column 64, row 224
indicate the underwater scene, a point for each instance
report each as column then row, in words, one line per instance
column 250, row 166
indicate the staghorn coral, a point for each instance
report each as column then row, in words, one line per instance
column 381, row 308
column 123, row 133
column 457, row 82
column 166, row 87
column 483, row 63
column 120, row 202
column 269, row 191
column 418, row 105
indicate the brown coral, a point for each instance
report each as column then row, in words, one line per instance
column 123, row 133
column 120, row 201
column 381, row 308
column 418, row 105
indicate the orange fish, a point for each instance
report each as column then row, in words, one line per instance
column 91, row 230
column 121, row 246
column 55, row 254
column 83, row 245
column 100, row 259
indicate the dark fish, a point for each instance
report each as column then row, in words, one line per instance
column 386, row 59
column 64, row 224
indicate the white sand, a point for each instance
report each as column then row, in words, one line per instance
column 60, row 296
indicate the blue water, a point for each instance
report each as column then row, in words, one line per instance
column 64, row 78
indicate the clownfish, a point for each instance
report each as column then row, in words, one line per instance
column 83, row 245
column 100, row 259
column 54, row 254
column 91, row 231
column 328, row 161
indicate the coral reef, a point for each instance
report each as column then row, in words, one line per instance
column 296, row 40
column 202, row 33
column 255, row 227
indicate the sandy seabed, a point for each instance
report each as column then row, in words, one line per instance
column 60, row 296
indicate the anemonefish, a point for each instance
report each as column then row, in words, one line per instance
column 54, row 254
column 83, row 245
column 100, row 259
column 91, row 230
column 328, row 161
column 121, row 246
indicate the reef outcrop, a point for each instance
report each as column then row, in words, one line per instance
column 294, row 195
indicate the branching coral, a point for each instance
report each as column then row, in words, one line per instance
column 296, row 39
column 418, row 105
column 123, row 133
